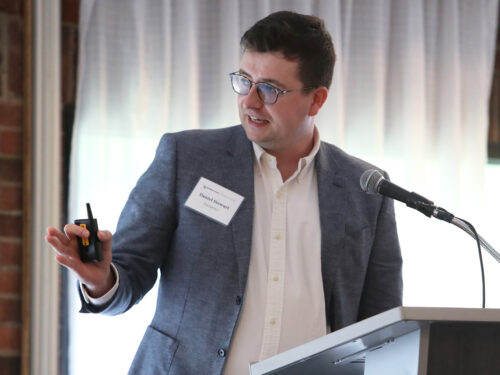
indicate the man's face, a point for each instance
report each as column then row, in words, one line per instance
column 287, row 125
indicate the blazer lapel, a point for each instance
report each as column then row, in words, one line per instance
column 332, row 209
column 239, row 177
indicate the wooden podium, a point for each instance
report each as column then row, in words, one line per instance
column 401, row 341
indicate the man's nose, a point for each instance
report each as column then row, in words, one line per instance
column 252, row 100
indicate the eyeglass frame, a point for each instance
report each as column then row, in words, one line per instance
column 252, row 83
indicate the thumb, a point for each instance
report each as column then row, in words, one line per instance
column 106, row 238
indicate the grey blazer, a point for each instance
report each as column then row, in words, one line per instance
column 204, row 265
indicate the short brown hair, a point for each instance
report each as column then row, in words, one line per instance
column 299, row 37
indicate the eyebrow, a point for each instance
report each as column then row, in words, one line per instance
column 265, row 80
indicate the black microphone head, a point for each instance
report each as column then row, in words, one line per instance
column 370, row 181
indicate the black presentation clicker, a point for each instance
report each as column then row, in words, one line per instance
column 89, row 248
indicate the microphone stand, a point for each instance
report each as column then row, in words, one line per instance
column 485, row 245
column 442, row 214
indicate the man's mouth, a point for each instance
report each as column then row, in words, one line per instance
column 256, row 121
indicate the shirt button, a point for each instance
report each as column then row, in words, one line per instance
column 278, row 236
column 279, row 195
column 221, row 353
column 238, row 300
column 276, row 278
column 272, row 321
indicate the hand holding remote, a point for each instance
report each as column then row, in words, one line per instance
column 95, row 275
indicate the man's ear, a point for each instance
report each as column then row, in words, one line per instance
column 319, row 97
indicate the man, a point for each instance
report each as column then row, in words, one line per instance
column 307, row 251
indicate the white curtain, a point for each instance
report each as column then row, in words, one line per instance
column 410, row 93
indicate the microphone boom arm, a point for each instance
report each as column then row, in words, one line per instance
column 442, row 214
column 485, row 245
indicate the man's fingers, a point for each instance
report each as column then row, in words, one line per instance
column 73, row 230
column 55, row 233
column 61, row 244
column 54, row 242
column 65, row 261
column 66, row 238
column 58, row 246
column 104, row 235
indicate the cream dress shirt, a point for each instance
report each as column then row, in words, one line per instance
column 284, row 303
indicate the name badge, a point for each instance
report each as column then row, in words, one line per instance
column 215, row 201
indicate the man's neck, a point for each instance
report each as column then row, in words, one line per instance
column 287, row 161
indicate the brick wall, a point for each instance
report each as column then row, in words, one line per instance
column 12, row 99
column 69, row 40
column 11, row 179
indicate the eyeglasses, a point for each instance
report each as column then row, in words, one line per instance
column 266, row 92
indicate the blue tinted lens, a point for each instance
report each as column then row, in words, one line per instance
column 267, row 93
column 241, row 84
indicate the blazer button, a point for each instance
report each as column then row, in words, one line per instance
column 221, row 352
column 238, row 300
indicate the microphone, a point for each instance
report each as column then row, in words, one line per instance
column 373, row 182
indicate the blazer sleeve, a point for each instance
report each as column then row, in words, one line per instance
column 144, row 232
